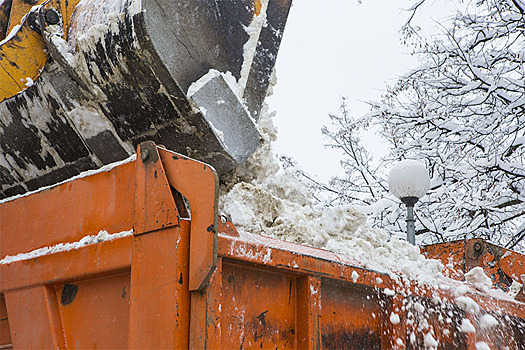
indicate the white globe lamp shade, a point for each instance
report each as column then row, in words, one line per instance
column 409, row 180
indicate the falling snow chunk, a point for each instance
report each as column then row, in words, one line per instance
column 481, row 345
column 389, row 292
column 355, row 276
column 466, row 326
column 394, row 318
column 488, row 321
column 477, row 277
column 430, row 342
column 467, row 304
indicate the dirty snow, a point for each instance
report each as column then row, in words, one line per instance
column 62, row 247
column 478, row 279
column 264, row 198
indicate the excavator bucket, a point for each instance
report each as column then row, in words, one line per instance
column 83, row 83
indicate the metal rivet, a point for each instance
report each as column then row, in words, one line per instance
column 144, row 155
column 52, row 17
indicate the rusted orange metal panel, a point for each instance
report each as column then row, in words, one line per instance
column 500, row 264
column 308, row 312
column 95, row 312
column 160, row 297
column 28, row 307
column 68, row 212
column 250, row 292
column 5, row 332
column 199, row 183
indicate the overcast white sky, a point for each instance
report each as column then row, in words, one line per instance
column 330, row 49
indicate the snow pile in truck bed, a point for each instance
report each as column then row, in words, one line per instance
column 268, row 200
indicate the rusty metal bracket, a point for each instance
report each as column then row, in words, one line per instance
column 159, row 170
column 199, row 183
column 155, row 206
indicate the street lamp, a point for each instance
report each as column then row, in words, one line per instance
column 409, row 181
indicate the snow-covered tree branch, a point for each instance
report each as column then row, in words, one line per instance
column 463, row 113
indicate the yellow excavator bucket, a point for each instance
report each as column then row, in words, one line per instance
column 83, row 83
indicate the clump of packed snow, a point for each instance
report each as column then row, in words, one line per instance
column 481, row 345
column 408, row 178
column 28, row 82
column 466, row 326
column 429, row 342
column 62, row 247
column 264, row 198
column 478, row 279
column 488, row 321
column 515, row 289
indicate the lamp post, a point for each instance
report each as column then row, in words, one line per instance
column 409, row 181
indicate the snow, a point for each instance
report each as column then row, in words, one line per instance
column 409, row 178
column 389, row 292
column 63, row 47
column 62, row 247
column 355, row 276
column 477, row 277
column 28, row 82
column 515, row 288
column 264, row 198
column 254, row 31
column 466, row 326
column 17, row 27
column 467, row 304
column 488, row 321
column 394, row 318
column 11, row 34
column 430, row 342
column 481, row 345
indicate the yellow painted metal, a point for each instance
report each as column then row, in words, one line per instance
column 5, row 10
column 19, row 9
column 22, row 57
column 257, row 6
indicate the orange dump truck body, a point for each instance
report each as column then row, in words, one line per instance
column 170, row 282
